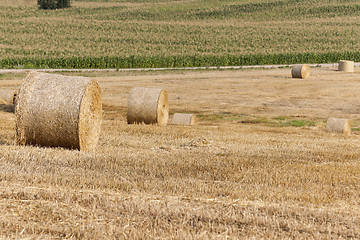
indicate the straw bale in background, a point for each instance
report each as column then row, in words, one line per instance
column 7, row 96
column 338, row 125
column 346, row 66
column 184, row 119
column 300, row 71
column 148, row 105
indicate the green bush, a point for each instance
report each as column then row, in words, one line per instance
column 63, row 3
column 53, row 4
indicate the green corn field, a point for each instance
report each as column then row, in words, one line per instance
column 149, row 33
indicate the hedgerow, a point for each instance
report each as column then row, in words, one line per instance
column 53, row 4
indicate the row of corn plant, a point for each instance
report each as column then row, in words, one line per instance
column 175, row 61
column 180, row 33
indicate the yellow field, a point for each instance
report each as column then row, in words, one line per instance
column 260, row 163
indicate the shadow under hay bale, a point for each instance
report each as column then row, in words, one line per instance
column 7, row 108
column 184, row 119
column 300, row 71
column 148, row 105
column 58, row 111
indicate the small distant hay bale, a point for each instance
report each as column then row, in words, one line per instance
column 346, row 66
column 58, row 111
column 184, row 119
column 7, row 96
column 7, row 100
column 300, row 71
column 338, row 125
column 148, row 105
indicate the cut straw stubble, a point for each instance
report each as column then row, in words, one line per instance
column 58, row 111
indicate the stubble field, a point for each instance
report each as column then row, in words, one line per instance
column 259, row 164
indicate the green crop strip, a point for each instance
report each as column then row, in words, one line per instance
column 149, row 33
column 247, row 119
column 175, row 61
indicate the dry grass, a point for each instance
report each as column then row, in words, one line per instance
column 17, row 3
column 219, row 178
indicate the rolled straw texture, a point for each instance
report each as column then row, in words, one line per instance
column 148, row 105
column 184, row 119
column 338, row 125
column 346, row 66
column 58, row 111
column 300, row 71
column 7, row 96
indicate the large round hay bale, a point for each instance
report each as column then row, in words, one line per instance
column 346, row 66
column 300, row 71
column 184, row 119
column 338, row 125
column 58, row 111
column 148, row 105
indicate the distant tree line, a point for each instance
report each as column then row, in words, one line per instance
column 53, row 4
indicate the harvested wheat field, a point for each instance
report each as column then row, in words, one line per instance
column 260, row 163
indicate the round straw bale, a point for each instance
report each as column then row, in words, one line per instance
column 58, row 111
column 338, row 125
column 148, row 105
column 346, row 66
column 184, row 119
column 7, row 96
column 300, row 71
